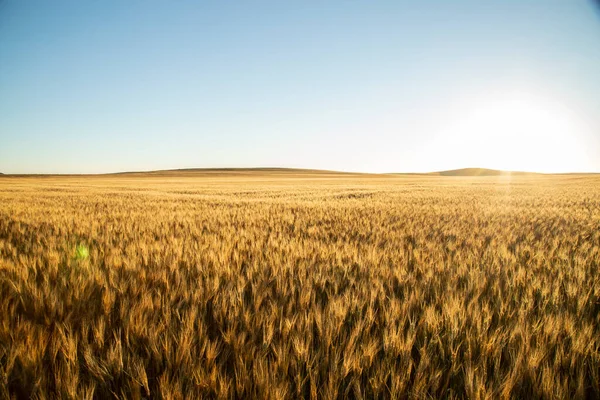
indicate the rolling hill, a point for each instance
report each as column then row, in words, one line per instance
column 480, row 172
column 296, row 172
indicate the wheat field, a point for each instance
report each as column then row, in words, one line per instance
column 275, row 285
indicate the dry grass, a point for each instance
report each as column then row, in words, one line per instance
column 313, row 286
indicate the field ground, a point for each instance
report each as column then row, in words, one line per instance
column 287, row 284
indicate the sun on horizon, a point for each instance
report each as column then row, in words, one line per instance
column 516, row 132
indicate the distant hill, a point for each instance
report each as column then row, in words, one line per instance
column 301, row 171
column 294, row 172
column 237, row 172
column 479, row 172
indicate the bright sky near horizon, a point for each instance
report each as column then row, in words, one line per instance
column 377, row 86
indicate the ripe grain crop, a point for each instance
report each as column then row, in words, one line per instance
column 300, row 285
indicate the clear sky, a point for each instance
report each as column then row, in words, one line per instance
column 90, row 86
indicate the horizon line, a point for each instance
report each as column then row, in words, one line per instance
column 466, row 171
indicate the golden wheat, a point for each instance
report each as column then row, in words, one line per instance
column 273, row 285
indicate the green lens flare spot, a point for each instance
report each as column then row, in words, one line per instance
column 81, row 252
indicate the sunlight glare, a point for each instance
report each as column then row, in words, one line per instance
column 517, row 133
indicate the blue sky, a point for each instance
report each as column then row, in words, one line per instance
column 106, row 86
